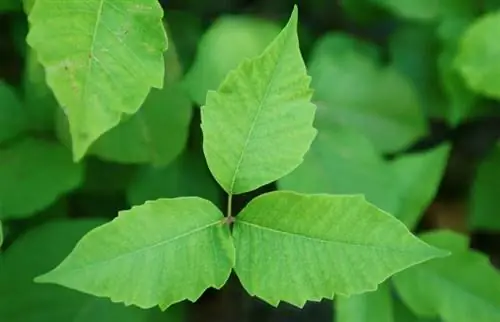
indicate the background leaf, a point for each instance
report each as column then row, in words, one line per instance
column 214, row 59
column 266, row 134
column 458, row 288
column 484, row 194
column 376, row 100
column 96, row 85
column 293, row 248
column 22, row 300
column 28, row 186
column 188, row 175
column 365, row 307
column 477, row 56
column 342, row 161
column 152, row 251
column 12, row 117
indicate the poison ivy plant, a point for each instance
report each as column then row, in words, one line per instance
column 484, row 194
column 257, row 127
column 215, row 59
column 40, row 249
column 377, row 100
column 450, row 287
column 26, row 185
column 476, row 57
column 104, row 63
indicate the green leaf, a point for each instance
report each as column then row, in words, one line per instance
column 404, row 314
column 456, row 288
column 484, row 195
column 28, row 185
column 247, row 36
column 10, row 5
column 258, row 125
column 101, row 58
column 21, row 300
column 1, row 234
column 12, row 116
column 188, row 175
column 341, row 161
column 377, row 101
column 159, row 253
column 476, row 59
column 293, row 248
column 366, row 307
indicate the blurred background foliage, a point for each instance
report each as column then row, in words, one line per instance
column 408, row 114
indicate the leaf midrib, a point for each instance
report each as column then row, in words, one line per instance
column 259, row 109
column 143, row 249
column 320, row 240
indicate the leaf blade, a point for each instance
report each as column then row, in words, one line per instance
column 305, row 234
column 270, row 127
column 137, row 271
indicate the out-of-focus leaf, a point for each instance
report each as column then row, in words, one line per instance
column 378, row 101
column 22, row 300
column 1, row 234
column 188, row 175
column 257, row 126
column 462, row 287
column 156, row 254
column 403, row 314
column 10, row 5
column 106, row 178
column 342, row 161
column 186, row 30
column 223, row 47
column 320, row 245
column 485, row 192
column 12, row 116
column 478, row 54
column 101, row 59
column 366, row 307
column 33, row 174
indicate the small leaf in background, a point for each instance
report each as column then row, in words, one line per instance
column 39, row 102
column 188, row 175
column 478, row 53
column 484, row 214
column 293, row 248
column 104, row 63
column 229, row 41
column 26, row 184
column 403, row 314
column 463, row 287
column 342, row 161
column 12, row 116
column 10, row 5
column 159, row 253
column 367, row 307
column 22, row 300
column 258, row 125
column 378, row 101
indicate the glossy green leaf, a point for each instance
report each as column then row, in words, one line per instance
column 292, row 247
column 484, row 213
column 22, row 300
column 214, row 59
column 101, row 58
column 366, row 307
column 460, row 288
column 159, row 253
column 377, row 101
column 12, row 116
column 188, row 175
column 28, row 185
column 476, row 59
column 341, row 161
column 258, row 125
